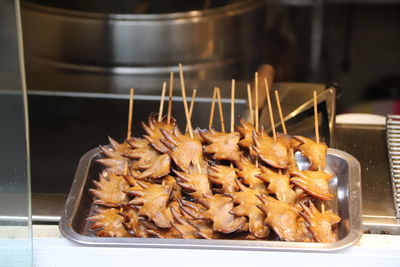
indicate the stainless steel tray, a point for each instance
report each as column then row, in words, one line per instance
column 346, row 184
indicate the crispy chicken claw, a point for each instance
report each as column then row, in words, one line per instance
column 315, row 183
column 152, row 200
column 119, row 148
column 320, row 224
column 272, row 152
column 109, row 190
column 279, row 185
column 195, row 182
column 282, row 217
column 223, row 146
column 132, row 222
column 153, row 131
column 218, row 211
column 310, row 149
column 114, row 163
column 249, row 172
column 182, row 225
column 108, row 223
column 284, row 139
column 246, row 131
column 224, row 176
column 142, row 152
column 160, row 167
column 184, row 151
column 248, row 202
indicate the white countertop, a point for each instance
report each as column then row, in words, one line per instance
column 50, row 249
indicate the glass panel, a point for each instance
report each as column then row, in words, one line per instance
column 15, row 218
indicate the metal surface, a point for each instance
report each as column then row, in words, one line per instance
column 368, row 144
column 393, row 141
column 346, row 184
column 111, row 47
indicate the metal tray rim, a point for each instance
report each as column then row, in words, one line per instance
column 352, row 237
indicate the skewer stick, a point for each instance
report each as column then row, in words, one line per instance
column 233, row 106
column 316, row 117
column 171, row 87
column 126, row 167
column 191, row 107
column 316, row 121
column 130, row 114
column 160, row 112
column 221, row 112
column 185, row 102
column 323, row 208
column 271, row 116
column 256, row 107
column 256, row 98
column 210, row 123
column 278, row 103
column 250, row 104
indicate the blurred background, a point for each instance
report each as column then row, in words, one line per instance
column 110, row 46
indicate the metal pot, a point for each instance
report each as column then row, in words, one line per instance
column 119, row 48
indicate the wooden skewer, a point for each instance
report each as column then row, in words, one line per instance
column 271, row 116
column 160, row 112
column 221, row 112
column 250, row 104
column 256, row 107
column 316, row 117
column 130, row 114
column 191, row 107
column 233, row 106
column 316, row 120
column 256, row 98
column 126, row 166
column 171, row 87
column 185, row 102
column 278, row 103
column 210, row 123
column 323, row 208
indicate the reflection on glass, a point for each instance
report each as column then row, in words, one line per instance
column 15, row 224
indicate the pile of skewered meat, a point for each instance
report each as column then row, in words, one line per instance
column 216, row 185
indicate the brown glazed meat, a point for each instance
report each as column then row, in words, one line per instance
column 152, row 200
column 315, row 183
column 283, row 218
column 223, row 146
column 310, row 149
column 184, row 151
column 142, row 152
column 153, row 131
column 246, row 131
column 218, row 211
column 249, row 174
column 224, row 176
column 272, row 152
column 240, row 186
column 320, row 224
column 114, row 163
column 248, row 202
column 108, row 223
column 109, row 190
column 279, row 185
column 159, row 167
column 196, row 183
column 132, row 222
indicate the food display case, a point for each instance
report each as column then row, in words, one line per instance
column 79, row 96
